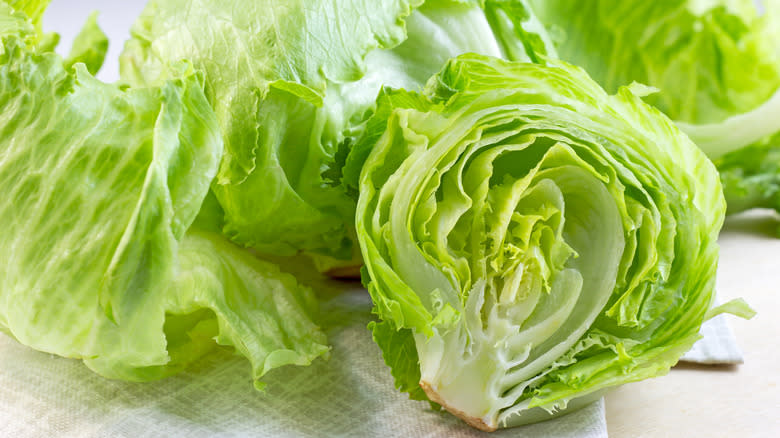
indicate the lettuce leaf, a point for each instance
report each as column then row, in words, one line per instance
column 291, row 82
column 751, row 176
column 715, row 65
column 89, row 46
column 103, row 183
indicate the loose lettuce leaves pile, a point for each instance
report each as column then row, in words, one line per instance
column 291, row 81
column 530, row 239
column 102, row 261
column 715, row 63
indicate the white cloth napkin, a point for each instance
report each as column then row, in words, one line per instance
column 717, row 345
column 351, row 395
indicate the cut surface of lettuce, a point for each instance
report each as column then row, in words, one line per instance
column 533, row 238
column 102, row 184
column 289, row 80
column 715, row 65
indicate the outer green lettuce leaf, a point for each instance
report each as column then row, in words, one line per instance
column 536, row 239
column 710, row 59
column 15, row 23
column 519, row 32
column 102, row 184
column 89, row 46
column 33, row 9
column 267, row 65
column 751, row 176
column 30, row 13
column 400, row 355
column 23, row 19
column 716, row 65
column 291, row 81
column 222, row 293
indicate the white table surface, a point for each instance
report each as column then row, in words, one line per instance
column 721, row 401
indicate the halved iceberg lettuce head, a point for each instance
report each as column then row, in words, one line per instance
column 529, row 239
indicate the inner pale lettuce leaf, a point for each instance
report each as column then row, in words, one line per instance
column 529, row 239
column 102, row 184
column 290, row 82
column 715, row 63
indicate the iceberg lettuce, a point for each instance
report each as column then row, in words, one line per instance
column 530, row 240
